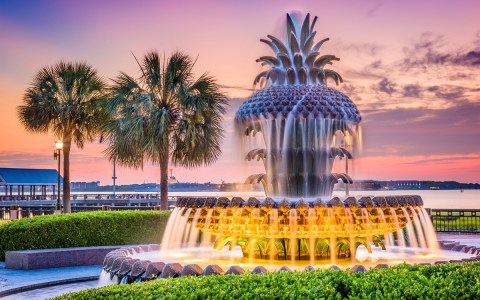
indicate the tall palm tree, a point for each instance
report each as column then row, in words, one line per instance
column 165, row 115
column 66, row 100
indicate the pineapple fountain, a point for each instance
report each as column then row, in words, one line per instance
column 304, row 126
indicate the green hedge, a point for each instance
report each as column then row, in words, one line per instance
column 445, row 281
column 83, row 229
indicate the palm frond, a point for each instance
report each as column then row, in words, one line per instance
column 165, row 111
column 65, row 98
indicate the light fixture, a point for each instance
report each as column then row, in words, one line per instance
column 59, row 145
column 57, row 156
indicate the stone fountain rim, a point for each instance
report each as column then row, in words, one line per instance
column 347, row 201
column 175, row 271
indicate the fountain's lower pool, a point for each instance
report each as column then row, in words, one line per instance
column 206, row 255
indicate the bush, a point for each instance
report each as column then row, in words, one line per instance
column 445, row 281
column 83, row 229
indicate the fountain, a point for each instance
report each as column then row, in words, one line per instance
column 304, row 126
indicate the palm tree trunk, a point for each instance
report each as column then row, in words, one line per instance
column 164, row 158
column 67, row 206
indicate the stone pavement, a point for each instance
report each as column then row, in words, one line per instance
column 465, row 239
column 20, row 280
column 52, row 291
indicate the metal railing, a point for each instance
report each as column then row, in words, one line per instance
column 444, row 220
column 456, row 220
column 86, row 196
column 12, row 208
column 15, row 213
column 93, row 200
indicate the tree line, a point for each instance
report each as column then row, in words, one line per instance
column 163, row 115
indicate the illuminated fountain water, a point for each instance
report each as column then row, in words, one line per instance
column 304, row 126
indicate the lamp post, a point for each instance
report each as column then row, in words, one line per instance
column 114, row 176
column 56, row 156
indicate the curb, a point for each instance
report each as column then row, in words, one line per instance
column 45, row 284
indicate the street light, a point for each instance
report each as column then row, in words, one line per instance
column 56, row 156
column 114, row 176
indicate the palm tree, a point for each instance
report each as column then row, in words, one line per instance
column 65, row 99
column 165, row 115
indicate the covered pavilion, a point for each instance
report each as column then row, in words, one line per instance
column 28, row 184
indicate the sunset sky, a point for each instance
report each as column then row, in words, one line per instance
column 412, row 68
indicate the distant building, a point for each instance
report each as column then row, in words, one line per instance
column 78, row 186
column 172, row 179
column 239, row 187
column 24, row 184
column 360, row 185
column 405, row 185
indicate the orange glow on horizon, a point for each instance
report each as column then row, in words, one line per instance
column 431, row 108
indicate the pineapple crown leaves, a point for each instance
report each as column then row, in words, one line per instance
column 298, row 60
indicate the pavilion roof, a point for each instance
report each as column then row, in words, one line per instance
column 17, row 176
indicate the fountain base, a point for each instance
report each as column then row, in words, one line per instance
column 146, row 262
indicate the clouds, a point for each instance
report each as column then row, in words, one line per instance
column 237, row 88
column 385, row 86
column 446, row 159
column 18, row 159
column 429, row 49
column 471, row 58
column 447, row 92
column 429, row 72
column 463, row 168
column 412, row 91
column 44, row 160
column 374, row 9
column 453, row 130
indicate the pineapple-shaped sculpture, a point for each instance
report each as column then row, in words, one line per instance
column 298, row 116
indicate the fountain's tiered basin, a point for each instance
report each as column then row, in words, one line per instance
column 302, row 229
column 267, row 218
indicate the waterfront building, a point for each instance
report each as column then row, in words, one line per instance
column 27, row 184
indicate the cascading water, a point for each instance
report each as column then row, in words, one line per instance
column 301, row 230
column 299, row 148
column 104, row 279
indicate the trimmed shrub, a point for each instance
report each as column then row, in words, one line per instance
column 82, row 230
column 445, row 281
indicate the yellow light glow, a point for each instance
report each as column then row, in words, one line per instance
column 59, row 145
column 301, row 228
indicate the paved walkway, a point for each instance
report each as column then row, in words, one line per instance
column 25, row 279
column 465, row 239
column 52, row 291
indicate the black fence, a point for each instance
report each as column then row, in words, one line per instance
column 456, row 220
column 444, row 220
column 14, row 213
column 73, row 197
